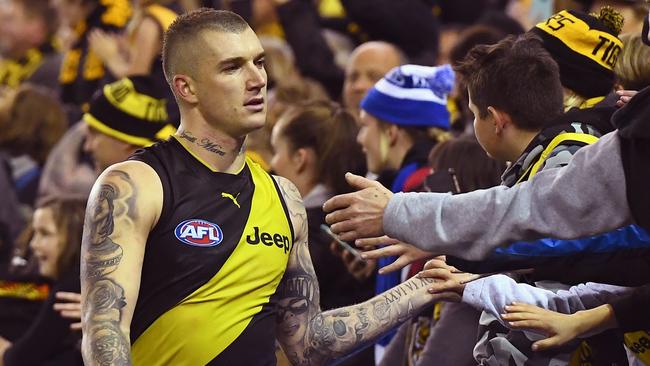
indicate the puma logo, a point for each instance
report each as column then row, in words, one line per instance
column 231, row 197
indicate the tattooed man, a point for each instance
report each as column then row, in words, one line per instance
column 192, row 254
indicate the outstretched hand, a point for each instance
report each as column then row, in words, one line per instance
column 450, row 282
column 406, row 253
column 70, row 308
column 358, row 214
column 559, row 328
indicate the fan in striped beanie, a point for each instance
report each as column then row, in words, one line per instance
column 131, row 111
column 412, row 96
column 585, row 46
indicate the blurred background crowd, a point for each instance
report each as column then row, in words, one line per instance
column 82, row 87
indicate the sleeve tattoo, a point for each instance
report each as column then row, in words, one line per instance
column 312, row 337
column 105, row 343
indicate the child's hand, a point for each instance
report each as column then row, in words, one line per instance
column 560, row 328
column 450, row 282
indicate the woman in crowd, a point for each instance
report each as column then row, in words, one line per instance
column 56, row 242
column 317, row 167
column 402, row 117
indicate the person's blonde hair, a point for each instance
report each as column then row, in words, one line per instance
column 633, row 66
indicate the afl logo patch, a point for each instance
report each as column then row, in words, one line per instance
column 199, row 233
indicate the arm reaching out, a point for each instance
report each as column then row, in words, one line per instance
column 358, row 214
column 559, row 328
column 310, row 336
column 119, row 216
column 406, row 253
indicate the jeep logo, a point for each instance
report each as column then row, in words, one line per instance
column 265, row 238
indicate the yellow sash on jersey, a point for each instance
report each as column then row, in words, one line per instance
column 207, row 321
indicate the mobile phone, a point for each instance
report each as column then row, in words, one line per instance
column 345, row 245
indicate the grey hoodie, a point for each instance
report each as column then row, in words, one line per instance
column 554, row 203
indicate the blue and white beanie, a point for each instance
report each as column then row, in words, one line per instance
column 412, row 95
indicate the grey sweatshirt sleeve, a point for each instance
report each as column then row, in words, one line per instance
column 493, row 293
column 586, row 197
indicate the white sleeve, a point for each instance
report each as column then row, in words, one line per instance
column 493, row 293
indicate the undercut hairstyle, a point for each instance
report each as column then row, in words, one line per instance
column 516, row 76
column 179, row 52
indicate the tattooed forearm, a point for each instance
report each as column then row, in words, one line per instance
column 335, row 333
column 109, row 345
column 312, row 337
column 104, row 341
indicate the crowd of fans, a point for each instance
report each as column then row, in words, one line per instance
column 419, row 95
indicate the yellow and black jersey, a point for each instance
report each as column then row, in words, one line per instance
column 82, row 71
column 212, row 264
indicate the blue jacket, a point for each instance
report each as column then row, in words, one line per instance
column 619, row 257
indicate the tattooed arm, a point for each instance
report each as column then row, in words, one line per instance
column 310, row 336
column 123, row 207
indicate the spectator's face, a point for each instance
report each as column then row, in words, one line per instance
column 45, row 242
column 368, row 63
column 373, row 141
column 19, row 30
column 106, row 150
column 282, row 162
column 230, row 84
column 485, row 130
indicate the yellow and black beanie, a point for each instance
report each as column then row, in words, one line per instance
column 131, row 110
column 585, row 46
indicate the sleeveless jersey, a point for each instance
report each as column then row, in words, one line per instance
column 212, row 264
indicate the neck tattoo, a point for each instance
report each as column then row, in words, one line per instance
column 204, row 143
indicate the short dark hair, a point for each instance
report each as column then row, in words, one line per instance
column 178, row 51
column 517, row 76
